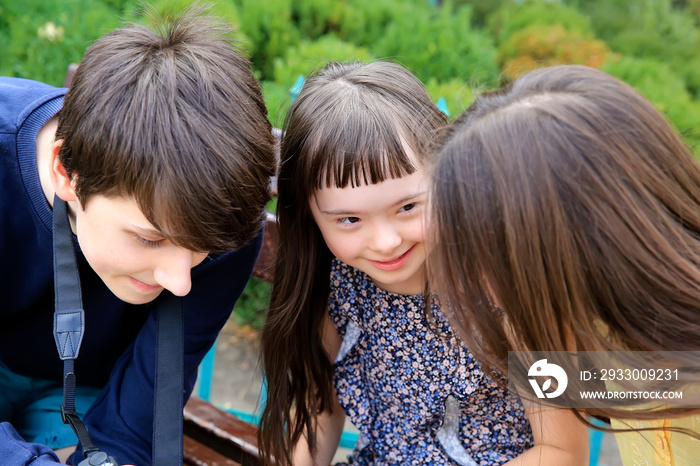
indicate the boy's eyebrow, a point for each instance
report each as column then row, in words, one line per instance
column 148, row 231
column 403, row 200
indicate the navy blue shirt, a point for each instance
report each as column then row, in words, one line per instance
column 118, row 348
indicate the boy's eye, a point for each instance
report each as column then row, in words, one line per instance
column 147, row 242
column 408, row 207
column 348, row 220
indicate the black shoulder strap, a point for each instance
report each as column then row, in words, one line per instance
column 69, row 327
column 168, row 396
column 69, row 318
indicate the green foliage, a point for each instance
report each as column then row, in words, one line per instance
column 277, row 100
column 316, row 18
column 457, row 93
column 439, row 43
column 39, row 39
column 538, row 46
column 310, row 55
column 225, row 10
column 481, row 9
column 269, row 26
column 657, row 82
column 364, row 22
column 251, row 307
column 650, row 29
column 514, row 17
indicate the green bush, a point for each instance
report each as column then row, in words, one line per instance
column 439, row 43
column 251, row 307
column 39, row 39
column 364, row 22
column 277, row 100
column 457, row 94
column 665, row 89
column 514, row 17
column 538, row 46
column 310, row 55
column 650, row 29
column 316, row 18
column 481, row 9
column 224, row 9
column 269, row 26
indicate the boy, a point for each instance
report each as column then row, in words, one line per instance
column 163, row 153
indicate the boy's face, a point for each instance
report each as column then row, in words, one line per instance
column 128, row 253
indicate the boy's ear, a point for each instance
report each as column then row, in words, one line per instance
column 63, row 184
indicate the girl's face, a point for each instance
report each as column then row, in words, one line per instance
column 377, row 229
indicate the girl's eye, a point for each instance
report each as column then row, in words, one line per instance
column 348, row 220
column 147, row 242
column 408, row 207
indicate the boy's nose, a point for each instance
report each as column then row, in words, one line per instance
column 174, row 271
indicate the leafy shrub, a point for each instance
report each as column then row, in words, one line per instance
column 514, row 17
column 271, row 30
column 538, row 46
column 481, row 9
column 224, row 9
column 315, row 18
column 659, row 83
column 364, row 22
column 309, row 55
column 650, row 29
column 457, row 93
column 439, row 43
column 277, row 100
column 251, row 307
column 39, row 39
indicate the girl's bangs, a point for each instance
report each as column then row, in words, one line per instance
column 363, row 150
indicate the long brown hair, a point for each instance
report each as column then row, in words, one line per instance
column 348, row 126
column 173, row 117
column 570, row 201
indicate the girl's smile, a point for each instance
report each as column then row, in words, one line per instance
column 396, row 263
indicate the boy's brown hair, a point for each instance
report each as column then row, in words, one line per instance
column 175, row 119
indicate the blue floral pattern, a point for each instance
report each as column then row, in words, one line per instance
column 415, row 393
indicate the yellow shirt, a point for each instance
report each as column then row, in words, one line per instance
column 658, row 447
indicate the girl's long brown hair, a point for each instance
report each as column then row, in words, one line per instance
column 570, row 201
column 349, row 126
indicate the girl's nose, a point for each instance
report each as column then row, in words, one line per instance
column 385, row 239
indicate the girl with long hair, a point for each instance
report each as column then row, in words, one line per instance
column 349, row 330
column 569, row 201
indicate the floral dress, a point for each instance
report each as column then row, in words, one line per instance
column 415, row 393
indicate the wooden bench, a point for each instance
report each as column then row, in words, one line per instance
column 213, row 437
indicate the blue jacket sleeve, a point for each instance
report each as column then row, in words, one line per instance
column 16, row 452
column 120, row 422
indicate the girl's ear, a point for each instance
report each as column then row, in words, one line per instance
column 63, row 184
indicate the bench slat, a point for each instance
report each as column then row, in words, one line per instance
column 197, row 454
column 221, row 431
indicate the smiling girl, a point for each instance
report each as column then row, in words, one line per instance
column 349, row 331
